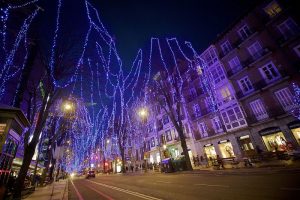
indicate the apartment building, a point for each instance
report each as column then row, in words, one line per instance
column 253, row 65
column 260, row 54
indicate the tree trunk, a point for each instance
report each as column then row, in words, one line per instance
column 185, row 150
column 25, row 75
column 123, row 160
column 28, row 154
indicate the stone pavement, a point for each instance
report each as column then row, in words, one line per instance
column 54, row 191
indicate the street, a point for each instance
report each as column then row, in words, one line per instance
column 278, row 185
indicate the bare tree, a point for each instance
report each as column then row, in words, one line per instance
column 168, row 94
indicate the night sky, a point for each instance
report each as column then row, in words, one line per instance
column 134, row 22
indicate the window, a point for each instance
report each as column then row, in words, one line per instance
column 244, row 32
column 168, row 135
column 297, row 50
column 226, row 47
column 245, row 85
column 288, row 28
column 258, row 109
column 255, row 50
column 217, row 74
column 235, row 64
column 269, row 72
column 272, row 9
column 197, row 111
column 217, row 124
column 152, row 142
column 165, row 119
column 225, row 94
column 233, row 118
column 193, row 92
column 285, row 98
column 203, row 129
column 210, row 56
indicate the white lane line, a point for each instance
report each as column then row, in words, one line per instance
column 77, row 192
column 143, row 196
column 202, row 184
column 163, row 182
column 291, row 189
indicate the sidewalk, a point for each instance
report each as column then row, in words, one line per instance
column 54, row 191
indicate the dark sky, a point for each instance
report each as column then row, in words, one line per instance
column 134, row 22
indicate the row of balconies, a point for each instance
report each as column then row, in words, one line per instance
column 237, row 43
column 248, row 62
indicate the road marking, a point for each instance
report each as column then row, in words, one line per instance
column 77, row 192
column 202, row 184
column 291, row 189
column 101, row 193
column 163, row 182
column 143, row 196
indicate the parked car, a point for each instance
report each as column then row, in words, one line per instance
column 91, row 174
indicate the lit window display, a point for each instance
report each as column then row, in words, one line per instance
column 275, row 141
column 210, row 151
column 296, row 133
column 226, row 149
column 245, row 143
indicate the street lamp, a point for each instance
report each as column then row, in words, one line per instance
column 143, row 114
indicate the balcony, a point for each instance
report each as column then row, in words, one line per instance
column 235, row 70
column 288, row 37
column 256, row 57
column 272, row 112
column 238, row 43
column 260, row 85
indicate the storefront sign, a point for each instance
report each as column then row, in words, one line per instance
column 208, row 145
column 244, row 137
column 223, row 141
column 294, row 124
column 269, row 130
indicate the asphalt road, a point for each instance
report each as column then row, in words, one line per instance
column 279, row 185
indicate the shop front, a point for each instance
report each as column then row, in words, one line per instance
column 273, row 139
column 210, row 151
column 295, row 129
column 246, row 145
column 226, row 149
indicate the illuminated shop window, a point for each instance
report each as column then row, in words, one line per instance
column 275, row 141
column 226, row 149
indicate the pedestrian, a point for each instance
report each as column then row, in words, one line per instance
column 197, row 161
column 131, row 166
column 220, row 162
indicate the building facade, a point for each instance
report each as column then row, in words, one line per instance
column 253, row 65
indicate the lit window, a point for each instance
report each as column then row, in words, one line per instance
column 245, row 85
column 269, row 72
column 255, row 50
column 197, row 110
column 272, row 9
column 203, row 129
column 165, row 119
column 235, row 64
column 217, row 124
column 258, row 109
column 285, row 98
column 168, row 135
column 226, row 47
column 233, row 118
column 225, row 94
column 244, row 32
column 288, row 28
column 217, row 74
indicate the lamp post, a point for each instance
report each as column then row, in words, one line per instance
column 143, row 114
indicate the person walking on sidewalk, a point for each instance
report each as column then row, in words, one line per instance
column 220, row 162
